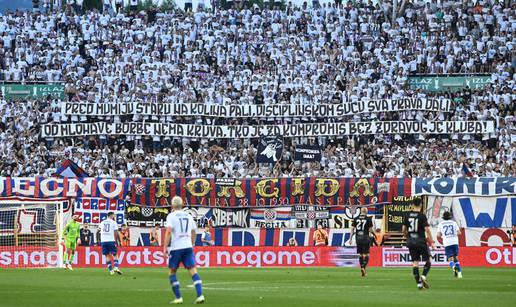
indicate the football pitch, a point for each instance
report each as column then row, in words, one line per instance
column 297, row 287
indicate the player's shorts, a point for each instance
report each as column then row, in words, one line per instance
column 108, row 248
column 451, row 250
column 71, row 244
column 184, row 256
column 363, row 245
column 418, row 250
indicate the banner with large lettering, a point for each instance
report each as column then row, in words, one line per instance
column 239, row 110
column 270, row 192
column 475, row 186
column 53, row 187
column 484, row 212
column 396, row 212
column 469, row 257
column 287, row 130
column 400, row 257
column 93, row 210
column 223, row 217
column 91, row 257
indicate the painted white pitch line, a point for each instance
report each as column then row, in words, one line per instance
column 213, row 286
column 84, row 291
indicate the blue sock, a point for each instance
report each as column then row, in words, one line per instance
column 457, row 264
column 109, row 265
column 452, row 264
column 175, row 285
column 116, row 263
column 197, row 284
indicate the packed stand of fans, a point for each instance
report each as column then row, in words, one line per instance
column 331, row 54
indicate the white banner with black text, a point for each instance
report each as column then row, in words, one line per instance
column 237, row 110
column 289, row 130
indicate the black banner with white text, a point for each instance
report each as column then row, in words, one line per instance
column 307, row 153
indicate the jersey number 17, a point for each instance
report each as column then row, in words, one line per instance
column 183, row 222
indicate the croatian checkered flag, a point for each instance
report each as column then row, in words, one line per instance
column 139, row 189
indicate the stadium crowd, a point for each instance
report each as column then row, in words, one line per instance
column 332, row 54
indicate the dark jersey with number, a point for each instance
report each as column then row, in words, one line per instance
column 362, row 224
column 416, row 223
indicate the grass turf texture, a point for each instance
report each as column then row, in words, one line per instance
column 258, row 287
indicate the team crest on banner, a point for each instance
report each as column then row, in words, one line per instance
column 351, row 212
column 269, row 150
column 139, row 189
column 310, row 216
column 269, row 215
column 145, row 216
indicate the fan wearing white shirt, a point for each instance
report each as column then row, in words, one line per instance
column 108, row 235
column 179, row 241
column 449, row 232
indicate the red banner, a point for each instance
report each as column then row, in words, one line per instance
column 11, row 257
column 270, row 192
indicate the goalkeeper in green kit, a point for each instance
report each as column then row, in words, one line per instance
column 71, row 234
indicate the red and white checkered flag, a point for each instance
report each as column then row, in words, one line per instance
column 139, row 189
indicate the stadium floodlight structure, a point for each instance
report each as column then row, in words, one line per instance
column 31, row 232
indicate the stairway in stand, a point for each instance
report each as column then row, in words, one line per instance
column 394, row 239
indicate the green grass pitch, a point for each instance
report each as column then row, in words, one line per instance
column 300, row 287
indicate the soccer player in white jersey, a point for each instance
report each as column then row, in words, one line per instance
column 178, row 245
column 449, row 232
column 108, row 235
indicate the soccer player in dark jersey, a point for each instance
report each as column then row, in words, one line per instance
column 362, row 226
column 417, row 232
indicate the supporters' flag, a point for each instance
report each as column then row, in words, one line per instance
column 69, row 169
column 269, row 150
column 272, row 214
column 465, row 169
column 145, row 216
column 307, row 153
